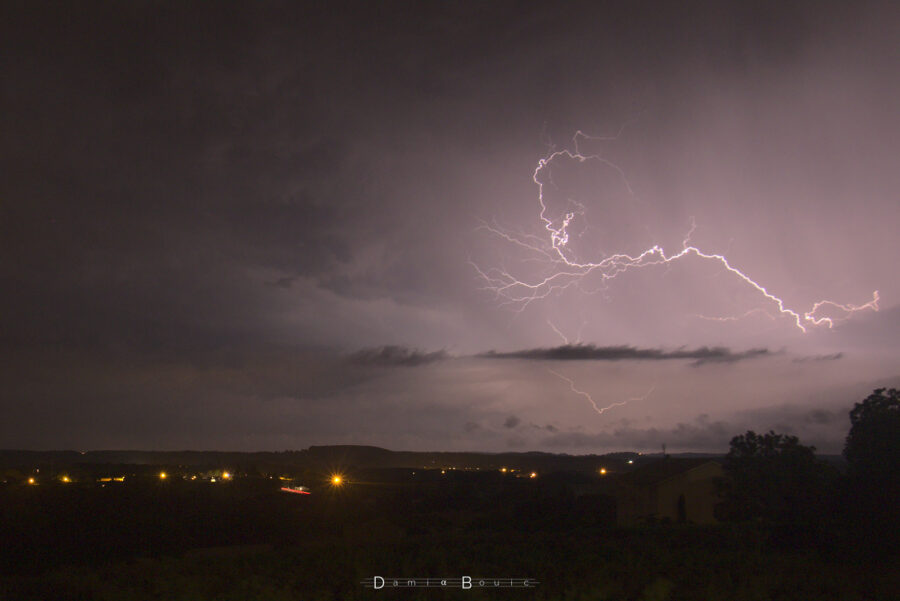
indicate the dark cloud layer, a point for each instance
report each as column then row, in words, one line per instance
column 511, row 422
column 388, row 356
column 588, row 352
column 828, row 357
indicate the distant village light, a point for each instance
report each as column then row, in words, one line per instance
column 533, row 475
column 602, row 471
column 163, row 475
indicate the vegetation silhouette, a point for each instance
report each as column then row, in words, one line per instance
column 871, row 494
column 872, row 448
column 773, row 477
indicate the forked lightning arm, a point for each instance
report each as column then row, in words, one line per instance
column 567, row 271
column 590, row 399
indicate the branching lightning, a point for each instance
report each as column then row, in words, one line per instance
column 566, row 270
column 591, row 400
column 565, row 339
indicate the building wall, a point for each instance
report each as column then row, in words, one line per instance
column 660, row 500
column 698, row 487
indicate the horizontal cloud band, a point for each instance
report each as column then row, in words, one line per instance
column 589, row 352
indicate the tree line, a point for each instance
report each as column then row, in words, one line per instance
column 775, row 479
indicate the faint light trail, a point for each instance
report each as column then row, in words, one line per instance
column 590, row 399
column 561, row 335
column 567, row 271
column 737, row 317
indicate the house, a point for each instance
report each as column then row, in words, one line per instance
column 679, row 490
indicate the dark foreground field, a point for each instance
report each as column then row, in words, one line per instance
column 245, row 540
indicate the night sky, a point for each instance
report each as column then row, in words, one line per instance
column 262, row 226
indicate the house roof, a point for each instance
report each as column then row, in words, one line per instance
column 663, row 470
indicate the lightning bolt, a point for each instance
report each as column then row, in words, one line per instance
column 560, row 334
column 566, row 271
column 590, row 399
column 810, row 315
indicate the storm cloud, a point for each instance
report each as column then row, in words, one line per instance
column 388, row 356
column 587, row 352
column 264, row 226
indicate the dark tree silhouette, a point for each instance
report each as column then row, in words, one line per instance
column 872, row 492
column 773, row 477
column 872, row 450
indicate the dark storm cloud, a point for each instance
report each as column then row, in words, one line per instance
column 549, row 427
column 820, row 416
column 827, row 357
column 388, row 356
column 161, row 154
column 587, row 352
column 511, row 422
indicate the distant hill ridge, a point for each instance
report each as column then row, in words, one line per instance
column 345, row 457
column 315, row 457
